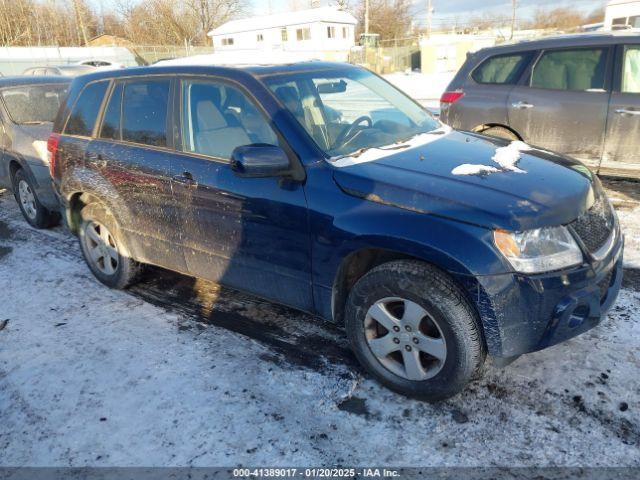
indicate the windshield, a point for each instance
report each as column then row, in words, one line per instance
column 33, row 103
column 348, row 110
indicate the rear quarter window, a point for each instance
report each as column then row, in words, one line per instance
column 85, row 111
column 502, row 69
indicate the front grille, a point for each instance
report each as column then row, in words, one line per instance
column 595, row 225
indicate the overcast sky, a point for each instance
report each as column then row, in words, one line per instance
column 444, row 9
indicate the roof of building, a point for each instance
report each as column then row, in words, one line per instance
column 621, row 2
column 323, row 14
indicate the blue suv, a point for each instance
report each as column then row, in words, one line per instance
column 321, row 186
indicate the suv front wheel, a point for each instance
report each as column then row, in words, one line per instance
column 412, row 328
column 103, row 248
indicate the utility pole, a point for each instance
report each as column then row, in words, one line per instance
column 366, row 16
column 429, row 17
column 514, row 5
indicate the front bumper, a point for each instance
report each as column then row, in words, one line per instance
column 526, row 313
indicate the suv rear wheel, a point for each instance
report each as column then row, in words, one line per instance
column 32, row 210
column 103, row 248
column 414, row 331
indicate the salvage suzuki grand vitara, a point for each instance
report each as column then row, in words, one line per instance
column 321, row 186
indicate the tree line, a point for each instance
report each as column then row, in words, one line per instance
column 180, row 22
column 147, row 22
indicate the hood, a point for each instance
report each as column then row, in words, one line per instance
column 471, row 178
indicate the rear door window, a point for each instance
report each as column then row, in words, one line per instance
column 631, row 70
column 111, row 121
column 144, row 112
column 579, row 70
column 502, row 69
column 85, row 111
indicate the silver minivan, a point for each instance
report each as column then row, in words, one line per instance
column 576, row 94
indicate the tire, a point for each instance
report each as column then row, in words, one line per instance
column 500, row 132
column 415, row 295
column 32, row 210
column 103, row 248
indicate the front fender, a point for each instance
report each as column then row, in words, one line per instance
column 455, row 247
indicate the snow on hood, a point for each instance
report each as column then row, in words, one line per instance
column 507, row 157
column 553, row 191
column 377, row 153
column 471, row 169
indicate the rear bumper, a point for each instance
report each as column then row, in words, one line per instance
column 522, row 314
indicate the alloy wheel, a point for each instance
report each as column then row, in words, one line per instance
column 101, row 247
column 27, row 199
column 405, row 339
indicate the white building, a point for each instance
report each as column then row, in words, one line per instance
column 622, row 14
column 322, row 33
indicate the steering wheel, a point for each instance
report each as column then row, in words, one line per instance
column 350, row 129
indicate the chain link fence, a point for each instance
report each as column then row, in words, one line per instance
column 397, row 55
column 148, row 54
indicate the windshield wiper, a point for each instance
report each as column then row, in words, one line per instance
column 34, row 122
column 360, row 151
column 399, row 145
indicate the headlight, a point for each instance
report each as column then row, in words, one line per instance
column 539, row 250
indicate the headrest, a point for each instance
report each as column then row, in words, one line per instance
column 209, row 116
column 203, row 91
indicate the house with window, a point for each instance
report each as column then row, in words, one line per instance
column 622, row 14
column 326, row 33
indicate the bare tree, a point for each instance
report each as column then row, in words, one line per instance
column 558, row 18
column 210, row 14
column 389, row 18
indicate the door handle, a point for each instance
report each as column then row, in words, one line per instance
column 624, row 111
column 522, row 105
column 186, row 179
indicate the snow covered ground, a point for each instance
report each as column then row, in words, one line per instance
column 425, row 88
column 178, row 372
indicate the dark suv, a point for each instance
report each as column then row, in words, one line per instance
column 575, row 94
column 323, row 187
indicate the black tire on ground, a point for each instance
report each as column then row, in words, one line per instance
column 445, row 305
column 32, row 210
column 500, row 132
column 121, row 272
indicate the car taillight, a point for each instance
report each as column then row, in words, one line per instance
column 451, row 97
column 52, row 149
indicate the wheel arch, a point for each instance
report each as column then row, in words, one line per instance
column 358, row 262
column 486, row 126
column 84, row 187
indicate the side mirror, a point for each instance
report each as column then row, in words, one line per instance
column 259, row 161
